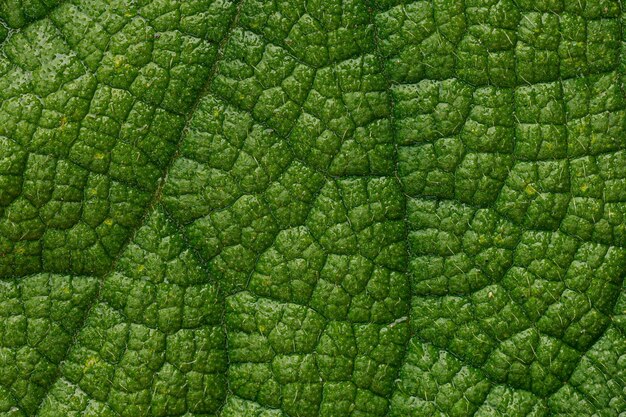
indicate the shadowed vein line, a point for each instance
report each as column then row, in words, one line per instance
column 154, row 201
column 381, row 61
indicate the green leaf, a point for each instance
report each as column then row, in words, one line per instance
column 312, row 208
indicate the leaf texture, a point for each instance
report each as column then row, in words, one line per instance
column 312, row 208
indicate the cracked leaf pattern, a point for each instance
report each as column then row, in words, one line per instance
column 94, row 99
column 312, row 208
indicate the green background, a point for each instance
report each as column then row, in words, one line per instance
column 312, row 208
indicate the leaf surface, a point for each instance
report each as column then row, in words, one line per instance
column 312, row 208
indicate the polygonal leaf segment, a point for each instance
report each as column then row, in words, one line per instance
column 154, row 343
column 93, row 104
column 510, row 119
